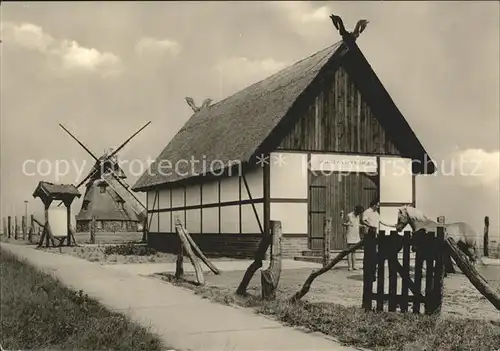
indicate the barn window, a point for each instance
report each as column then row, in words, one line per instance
column 85, row 205
column 103, row 189
column 99, row 224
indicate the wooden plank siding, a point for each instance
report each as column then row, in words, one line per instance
column 339, row 120
column 334, row 196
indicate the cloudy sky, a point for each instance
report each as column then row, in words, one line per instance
column 104, row 69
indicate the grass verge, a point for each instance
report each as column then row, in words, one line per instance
column 38, row 312
column 352, row 326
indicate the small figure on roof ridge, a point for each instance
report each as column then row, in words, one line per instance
column 206, row 103
column 339, row 24
column 190, row 102
column 360, row 27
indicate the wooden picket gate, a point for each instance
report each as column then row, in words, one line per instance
column 382, row 251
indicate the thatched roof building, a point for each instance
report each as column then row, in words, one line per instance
column 327, row 109
column 244, row 124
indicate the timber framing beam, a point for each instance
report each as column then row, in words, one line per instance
column 252, row 202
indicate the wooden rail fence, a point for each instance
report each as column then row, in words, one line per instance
column 382, row 251
column 28, row 227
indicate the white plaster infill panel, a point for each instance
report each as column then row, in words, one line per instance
column 396, row 180
column 288, row 175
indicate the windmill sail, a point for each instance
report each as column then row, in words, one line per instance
column 107, row 198
column 125, row 194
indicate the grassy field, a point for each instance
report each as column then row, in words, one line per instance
column 84, row 238
column 38, row 312
column 111, row 248
column 115, row 254
column 332, row 307
column 109, row 238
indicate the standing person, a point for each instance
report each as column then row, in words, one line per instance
column 371, row 219
column 352, row 234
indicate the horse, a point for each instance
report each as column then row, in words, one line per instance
column 465, row 236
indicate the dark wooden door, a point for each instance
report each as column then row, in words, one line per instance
column 317, row 211
column 335, row 196
column 348, row 191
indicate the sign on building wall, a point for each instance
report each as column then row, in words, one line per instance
column 343, row 163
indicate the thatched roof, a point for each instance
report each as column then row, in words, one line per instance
column 55, row 191
column 234, row 128
column 237, row 127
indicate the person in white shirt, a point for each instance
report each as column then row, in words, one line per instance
column 352, row 234
column 371, row 217
column 371, row 220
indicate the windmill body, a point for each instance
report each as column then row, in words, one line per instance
column 102, row 200
column 107, row 196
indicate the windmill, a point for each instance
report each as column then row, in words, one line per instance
column 107, row 197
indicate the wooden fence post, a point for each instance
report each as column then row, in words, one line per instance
column 179, row 262
column 15, row 227
column 23, row 223
column 145, row 230
column 369, row 264
column 271, row 276
column 471, row 273
column 4, row 223
column 9, row 227
column 32, row 229
column 260, row 255
column 486, row 238
column 197, row 251
column 92, row 230
column 406, row 268
column 316, row 273
column 381, row 242
column 439, row 271
column 327, row 229
column 189, row 251
column 395, row 241
column 430, row 280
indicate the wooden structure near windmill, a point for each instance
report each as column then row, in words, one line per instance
column 309, row 142
column 107, row 197
column 48, row 193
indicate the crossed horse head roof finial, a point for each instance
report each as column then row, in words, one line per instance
column 358, row 29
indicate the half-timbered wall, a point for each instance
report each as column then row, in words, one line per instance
column 288, row 192
column 221, row 206
column 339, row 120
column 218, row 213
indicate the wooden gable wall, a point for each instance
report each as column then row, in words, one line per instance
column 339, row 120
